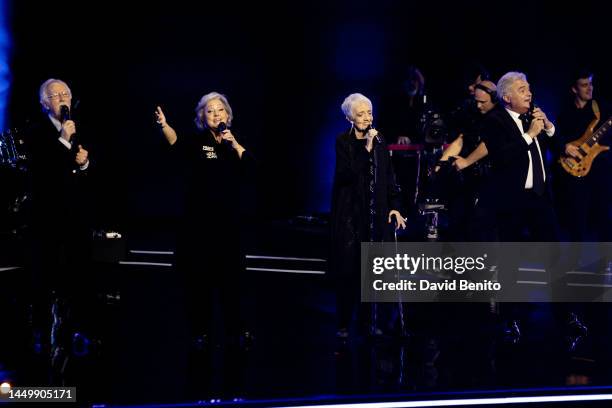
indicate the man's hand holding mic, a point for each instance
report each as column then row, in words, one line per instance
column 68, row 126
column 539, row 123
column 68, row 130
column 535, row 128
column 538, row 114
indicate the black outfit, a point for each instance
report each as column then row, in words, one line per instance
column 469, row 217
column 210, row 260
column 465, row 120
column 59, row 234
column 364, row 193
column 583, row 203
column 208, row 246
column 516, row 207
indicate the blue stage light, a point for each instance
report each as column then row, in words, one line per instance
column 5, row 43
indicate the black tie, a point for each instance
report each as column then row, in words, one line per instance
column 536, row 160
column 526, row 121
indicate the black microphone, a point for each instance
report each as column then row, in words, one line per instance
column 64, row 113
column 222, row 127
column 532, row 107
column 64, row 116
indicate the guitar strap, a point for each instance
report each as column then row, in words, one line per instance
column 596, row 111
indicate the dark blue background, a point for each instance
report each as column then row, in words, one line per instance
column 285, row 69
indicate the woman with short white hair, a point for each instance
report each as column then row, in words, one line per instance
column 365, row 201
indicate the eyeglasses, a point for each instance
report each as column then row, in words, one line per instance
column 56, row 95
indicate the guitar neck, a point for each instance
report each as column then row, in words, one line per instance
column 597, row 135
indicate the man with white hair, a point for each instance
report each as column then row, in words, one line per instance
column 58, row 226
column 515, row 135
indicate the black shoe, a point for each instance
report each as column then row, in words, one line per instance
column 37, row 345
column 246, row 341
column 342, row 334
column 81, row 345
column 201, row 343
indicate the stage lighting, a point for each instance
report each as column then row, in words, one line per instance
column 5, row 387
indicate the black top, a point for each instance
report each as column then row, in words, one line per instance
column 573, row 121
column 466, row 120
column 214, row 176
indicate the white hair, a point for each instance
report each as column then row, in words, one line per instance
column 201, row 124
column 505, row 83
column 43, row 91
column 350, row 101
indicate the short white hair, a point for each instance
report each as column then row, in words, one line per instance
column 505, row 83
column 350, row 101
column 43, row 93
column 202, row 104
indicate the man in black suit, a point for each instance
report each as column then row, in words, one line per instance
column 516, row 134
column 515, row 137
column 59, row 231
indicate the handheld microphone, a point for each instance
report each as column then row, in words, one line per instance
column 64, row 113
column 532, row 107
column 367, row 129
column 65, row 116
column 222, row 127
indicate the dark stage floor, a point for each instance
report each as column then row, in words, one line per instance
column 145, row 355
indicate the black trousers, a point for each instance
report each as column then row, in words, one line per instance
column 210, row 264
column 531, row 218
column 584, row 206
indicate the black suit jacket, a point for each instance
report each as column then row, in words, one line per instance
column 60, row 197
column 508, row 152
